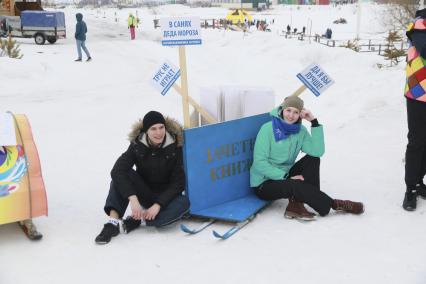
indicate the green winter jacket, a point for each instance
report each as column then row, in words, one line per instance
column 273, row 160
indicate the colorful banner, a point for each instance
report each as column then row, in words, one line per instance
column 22, row 191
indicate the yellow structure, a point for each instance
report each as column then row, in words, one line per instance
column 238, row 16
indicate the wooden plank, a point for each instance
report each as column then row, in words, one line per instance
column 197, row 107
column 299, row 91
column 184, row 86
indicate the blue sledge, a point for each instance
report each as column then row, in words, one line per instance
column 217, row 161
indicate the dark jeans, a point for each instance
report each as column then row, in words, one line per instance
column 307, row 191
column 174, row 211
column 415, row 155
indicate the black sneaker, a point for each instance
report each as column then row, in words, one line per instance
column 421, row 190
column 410, row 200
column 129, row 224
column 89, row 59
column 78, row 60
column 107, row 233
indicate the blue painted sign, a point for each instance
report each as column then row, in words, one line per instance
column 315, row 79
column 165, row 77
column 217, row 160
column 180, row 31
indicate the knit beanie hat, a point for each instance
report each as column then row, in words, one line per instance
column 421, row 13
column 292, row 101
column 151, row 118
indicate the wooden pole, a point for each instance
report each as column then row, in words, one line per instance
column 184, row 86
column 12, row 8
column 197, row 107
column 299, row 91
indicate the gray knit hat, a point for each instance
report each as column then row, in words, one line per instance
column 292, row 101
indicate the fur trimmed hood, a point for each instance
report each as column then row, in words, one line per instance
column 173, row 128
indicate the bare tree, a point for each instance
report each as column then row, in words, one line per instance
column 399, row 13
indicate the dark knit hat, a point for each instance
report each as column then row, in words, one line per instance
column 421, row 13
column 293, row 101
column 151, row 118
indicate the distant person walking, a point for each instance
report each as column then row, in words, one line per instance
column 4, row 28
column 80, row 37
column 131, row 24
column 328, row 33
column 246, row 25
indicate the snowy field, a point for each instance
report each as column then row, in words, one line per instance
column 81, row 113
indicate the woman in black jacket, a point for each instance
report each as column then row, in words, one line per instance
column 154, row 187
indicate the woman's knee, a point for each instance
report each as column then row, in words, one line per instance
column 313, row 159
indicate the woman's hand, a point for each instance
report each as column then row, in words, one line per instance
column 152, row 212
column 137, row 210
column 298, row 177
column 307, row 114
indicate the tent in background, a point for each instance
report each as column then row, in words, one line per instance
column 238, row 16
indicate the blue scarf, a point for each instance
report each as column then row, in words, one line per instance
column 282, row 129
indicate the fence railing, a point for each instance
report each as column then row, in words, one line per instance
column 363, row 45
column 325, row 41
column 381, row 47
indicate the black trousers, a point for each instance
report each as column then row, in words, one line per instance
column 415, row 155
column 307, row 191
column 174, row 211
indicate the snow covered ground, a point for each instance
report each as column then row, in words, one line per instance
column 81, row 113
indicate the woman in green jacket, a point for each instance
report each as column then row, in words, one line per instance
column 275, row 174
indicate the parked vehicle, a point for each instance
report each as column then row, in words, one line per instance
column 41, row 25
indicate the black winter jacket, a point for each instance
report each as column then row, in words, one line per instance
column 160, row 168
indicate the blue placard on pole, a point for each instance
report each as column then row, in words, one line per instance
column 165, row 77
column 315, row 79
column 217, row 161
column 180, row 31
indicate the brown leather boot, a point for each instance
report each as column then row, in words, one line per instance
column 296, row 210
column 30, row 229
column 348, row 206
